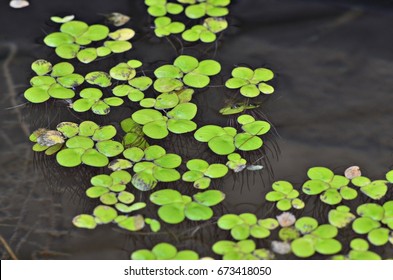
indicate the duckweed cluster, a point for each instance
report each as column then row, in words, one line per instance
column 130, row 162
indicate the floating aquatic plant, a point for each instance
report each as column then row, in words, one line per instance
column 369, row 222
column 175, row 207
column 332, row 188
column 225, row 140
column 91, row 100
column 57, row 81
column 236, row 162
column 359, row 251
column 185, row 69
column 164, row 26
column 117, row 19
column 373, row 189
column 75, row 36
column 134, row 136
column 177, row 120
column 285, row 196
column 245, row 225
column 316, row 238
column 200, row 173
column 237, row 108
column 151, row 166
column 206, row 33
column 251, row 82
column 241, row 250
column 341, row 216
column 212, row 8
column 164, row 251
column 86, row 143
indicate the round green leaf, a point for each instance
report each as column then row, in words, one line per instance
column 247, row 142
column 84, row 221
column 70, row 157
column 164, row 251
column 105, row 214
column 364, row 225
column 37, row 94
column 172, row 213
column 57, row 39
column 198, row 212
column 144, row 181
column 303, row 247
column 209, row 198
column 41, row 67
column 110, row 148
column 320, row 173
column 328, row 246
column 87, row 55
column 93, row 158
column 306, row 224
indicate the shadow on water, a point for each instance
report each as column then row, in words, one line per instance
column 331, row 108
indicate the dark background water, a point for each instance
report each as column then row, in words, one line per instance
column 332, row 107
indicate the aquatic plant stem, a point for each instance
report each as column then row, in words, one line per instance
column 10, row 85
column 8, row 248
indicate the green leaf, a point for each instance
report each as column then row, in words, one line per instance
column 164, row 251
column 75, row 28
column 98, row 78
column 93, row 158
column 133, row 223
column 41, row 67
column 80, row 142
column 37, row 94
column 186, row 63
column 364, row 225
column 105, row 214
column 87, row 55
column 166, row 100
column 166, row 174
column 71, row 80
column 314, row 187
column 209, row 198
column 202, row 183
column 331, row 197
column 240, row 232
column 196, row 80
column 172, row 213
column 222, row 145
column 359, row 244
column 303, row 247
column 306, row 224
column 70, row 157
column 59, row 92
column 118, row 46
column 144, row 181
column 62, row 69
column 103, row 133
column 216, row 170
column 183, row 111
column 143, row 255
column 328, row 246
column 56, row 39
column 208, row 132
column 379, row 236
column 156, row 129
column 84, row 221
column 247, row 142
column 166, row 196
column 198, row 212
column 375, row 190
column 122, row 34
column 320, row 173
column 228, row 221
column 110, row 148
column 283, row 187
column 87, row 128
column 102, row 180
column 67, row 51
column 284, row 205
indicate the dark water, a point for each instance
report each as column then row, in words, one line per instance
column 332, row 107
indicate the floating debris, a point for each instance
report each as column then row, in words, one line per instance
column 281, row 248
column 286, row 219
column 18, row 4
column 254, row 167
column 117, row 19
column 352, row 172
